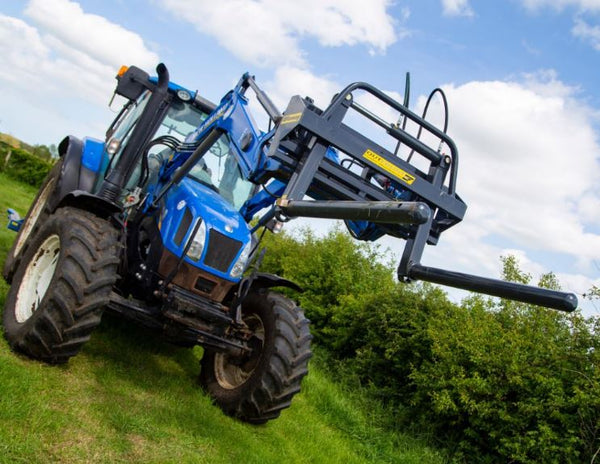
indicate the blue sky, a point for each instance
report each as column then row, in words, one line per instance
column 521, row 78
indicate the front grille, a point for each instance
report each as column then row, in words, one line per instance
column 221, row 251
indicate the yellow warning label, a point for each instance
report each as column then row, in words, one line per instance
column 389, row 167
column 291, row 118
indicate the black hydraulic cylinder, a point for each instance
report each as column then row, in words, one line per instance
column 509, row 290
column 265, row 101
column 390, row 212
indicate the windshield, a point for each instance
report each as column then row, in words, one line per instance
column 181, row 119
column 123, row 127
column 219, row 170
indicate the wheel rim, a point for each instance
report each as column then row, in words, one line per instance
column 230, row 372
column 37, row 278
column 33, row 216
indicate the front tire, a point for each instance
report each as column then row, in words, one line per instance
column 257, row 388
column 61, row 286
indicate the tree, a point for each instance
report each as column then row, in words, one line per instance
column 53, row 151
column 42, row 151
column 593, row 293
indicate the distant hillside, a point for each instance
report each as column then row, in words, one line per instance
column 45, row 152
column 23, row 162
column 14, row 142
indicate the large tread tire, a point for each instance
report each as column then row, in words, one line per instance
column 258, row 389
column 38, row 213
column 71, row 265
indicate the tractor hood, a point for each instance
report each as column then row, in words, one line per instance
column 220, row 238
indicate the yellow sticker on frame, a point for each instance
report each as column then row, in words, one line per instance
column 389, row 167
column 291, row 118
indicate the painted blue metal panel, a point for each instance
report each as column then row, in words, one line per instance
column 93, row 154
column 175, row 87
column 216, row 213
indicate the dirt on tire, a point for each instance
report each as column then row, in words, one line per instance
column 257, row 389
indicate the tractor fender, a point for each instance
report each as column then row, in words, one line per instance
column 81, row 163
column 266, row 280
column 70, row 150
column 89, row 202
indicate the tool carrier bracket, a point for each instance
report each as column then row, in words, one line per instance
column 306, row 134
column 351, row 177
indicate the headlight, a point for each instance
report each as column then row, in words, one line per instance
column 198, row 241
column 240, row 264
column 113, row 146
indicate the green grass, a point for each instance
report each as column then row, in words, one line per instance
column 129, row 397
column 14, row 195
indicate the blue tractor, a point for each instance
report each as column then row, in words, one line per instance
column 161, row 223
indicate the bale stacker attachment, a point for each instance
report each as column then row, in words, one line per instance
column 377, row 190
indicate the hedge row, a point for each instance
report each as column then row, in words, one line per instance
column 22, row 165
column 492, row 381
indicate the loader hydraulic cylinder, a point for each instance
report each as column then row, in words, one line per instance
column 408, row 212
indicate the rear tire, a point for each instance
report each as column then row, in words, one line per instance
column 61, row 286
column 37, row 214
column 257, row 388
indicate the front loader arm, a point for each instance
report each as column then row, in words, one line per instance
column 319, row 154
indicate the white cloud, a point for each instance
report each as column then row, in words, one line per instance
column 457, row 8
column 92, row 35
column 528, row 154
column 588, row 207
column 13, row 33
column 64, row 58
column 67, row 52
column 581, row 29
column 583, row 5
column 268, row 32
column 290, row 80
column 29, row 62
column 587, row 33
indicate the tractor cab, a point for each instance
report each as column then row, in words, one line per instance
column 217, row 170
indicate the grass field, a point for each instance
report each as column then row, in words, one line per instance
column 129, row 397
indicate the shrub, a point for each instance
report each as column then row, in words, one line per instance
column 510, row 381
column 337, row 275
column 22, row 165
column 493, row 380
